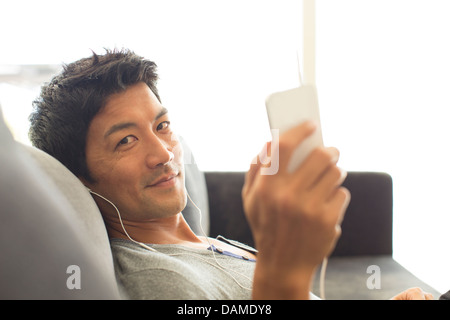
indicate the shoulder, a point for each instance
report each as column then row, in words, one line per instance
column 161, row 284
column 148, row 275
column 130, row 258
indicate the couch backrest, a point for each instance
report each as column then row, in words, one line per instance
column 85, row 213
column 367, row 226
column 366, row 229
column 48, row 250
column 197, row 189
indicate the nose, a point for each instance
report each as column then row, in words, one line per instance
column 159, row 153
column 171, row 156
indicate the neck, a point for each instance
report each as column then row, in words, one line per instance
column 169, row 230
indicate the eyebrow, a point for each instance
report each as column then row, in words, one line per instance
column 126, row 125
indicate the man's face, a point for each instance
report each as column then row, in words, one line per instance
column 134, row 158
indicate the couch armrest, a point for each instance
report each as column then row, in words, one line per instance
column 226, row 211
column 367, row 226
column 366, row 229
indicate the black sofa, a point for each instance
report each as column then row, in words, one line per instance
column 366, row 238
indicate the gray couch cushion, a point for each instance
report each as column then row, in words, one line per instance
column 348, row 278
column 85, row 212
column 196, row 187
column 41, row 233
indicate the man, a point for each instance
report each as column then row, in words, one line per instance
column 102, row 117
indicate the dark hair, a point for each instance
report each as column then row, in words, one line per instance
column 66, row 106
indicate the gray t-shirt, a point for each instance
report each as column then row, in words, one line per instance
column 179, row 272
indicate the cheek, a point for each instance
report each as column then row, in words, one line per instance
column 121, row 175
column 113, row 176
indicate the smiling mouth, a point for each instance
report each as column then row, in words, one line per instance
column 165, row 181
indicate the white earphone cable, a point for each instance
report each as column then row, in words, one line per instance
column 218, row 265
column 121, row 223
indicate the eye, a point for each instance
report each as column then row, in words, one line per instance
column 127, row 140
column 163, row 125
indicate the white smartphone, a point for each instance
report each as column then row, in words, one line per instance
column 289, row 108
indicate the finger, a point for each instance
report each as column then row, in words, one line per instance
column 331, row 179
column 310, row 172
column 290, row 140
column 265, row 156
column 338, row 204
column 250, row 176
column 338, row 230
column 412, row 294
